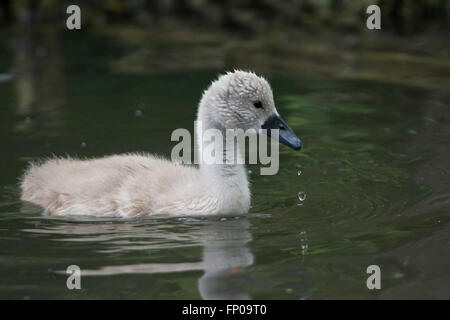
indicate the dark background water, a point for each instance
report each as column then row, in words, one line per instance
column 371, row 109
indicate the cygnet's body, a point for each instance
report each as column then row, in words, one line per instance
column 140, row 184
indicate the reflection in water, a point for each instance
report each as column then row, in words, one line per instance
column 224, row 254
column 224, row 257
column 38, row 78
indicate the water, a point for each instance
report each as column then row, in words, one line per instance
column 375, row 130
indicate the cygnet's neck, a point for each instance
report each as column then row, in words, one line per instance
column 227, row 180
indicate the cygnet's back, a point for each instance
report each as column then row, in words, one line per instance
column 120, row 185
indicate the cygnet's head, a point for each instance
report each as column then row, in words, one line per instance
column 243, row 100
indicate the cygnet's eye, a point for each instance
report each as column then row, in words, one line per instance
column 258, row 104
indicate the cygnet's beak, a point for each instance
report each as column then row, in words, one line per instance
column 286, row 136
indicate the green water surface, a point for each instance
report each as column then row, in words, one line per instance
column 375, row 168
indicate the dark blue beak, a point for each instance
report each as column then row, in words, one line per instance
column 286, row 136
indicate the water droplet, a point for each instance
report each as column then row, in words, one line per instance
column 303, row 242
column 249, row 171
column 83, row 144
column 138, row 113
column 301, row 196
column 299, row 172
column 304, row 249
